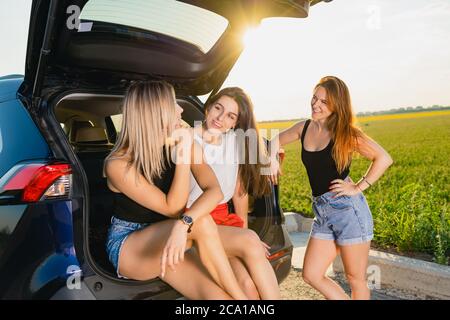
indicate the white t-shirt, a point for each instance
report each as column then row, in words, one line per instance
column 223, row 160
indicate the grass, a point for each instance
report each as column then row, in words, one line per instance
column 409, row 203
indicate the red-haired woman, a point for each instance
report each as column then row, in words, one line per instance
column 343, row 221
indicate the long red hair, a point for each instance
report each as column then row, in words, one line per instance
column 341, row 123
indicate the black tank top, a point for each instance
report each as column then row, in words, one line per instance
column 127, row 209
column 320, row 166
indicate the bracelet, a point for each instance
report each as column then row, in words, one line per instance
column 357, row 185
column 367, row 181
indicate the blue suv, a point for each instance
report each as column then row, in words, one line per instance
column 60, row 120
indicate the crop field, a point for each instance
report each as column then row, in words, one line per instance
column 410, row 201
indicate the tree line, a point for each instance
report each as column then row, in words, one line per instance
column 404, row 110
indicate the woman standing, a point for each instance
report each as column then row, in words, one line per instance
column 343, row 221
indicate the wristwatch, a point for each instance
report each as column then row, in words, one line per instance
column 187, row 220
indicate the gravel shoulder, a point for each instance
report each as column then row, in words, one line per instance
column 294, row 288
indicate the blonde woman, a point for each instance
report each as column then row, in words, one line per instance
column 343, row 221
column 146, row 233
column 229, row 114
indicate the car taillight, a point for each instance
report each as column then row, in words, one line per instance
column 40, row 181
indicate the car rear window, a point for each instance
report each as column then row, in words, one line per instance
column 182, row 21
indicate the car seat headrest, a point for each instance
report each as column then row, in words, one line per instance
column 92, row 135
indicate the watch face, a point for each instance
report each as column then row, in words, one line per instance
column 187, row 219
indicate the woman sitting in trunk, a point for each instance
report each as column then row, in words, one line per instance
column 146, row 232
column 235, row 151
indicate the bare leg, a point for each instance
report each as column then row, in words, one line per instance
column 355, row 259
column 244, row 279
column 200, row 285
column 246, row 245
column 141, row 253
column 318, row 257
column 212, row 253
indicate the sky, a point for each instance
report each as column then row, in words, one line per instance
column 390, row 53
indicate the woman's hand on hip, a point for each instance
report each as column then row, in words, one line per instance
column 344, row 188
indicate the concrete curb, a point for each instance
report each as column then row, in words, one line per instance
column 389, row 270
column 424, row 278
column 295, row 222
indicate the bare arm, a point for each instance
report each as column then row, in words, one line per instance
column 137, row 188
column 206, row 179
column 287, row 136
column 240, row 202
column 381, row 160
column 174, row 249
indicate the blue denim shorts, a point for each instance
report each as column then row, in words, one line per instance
column 117, row 234
column 345, row 219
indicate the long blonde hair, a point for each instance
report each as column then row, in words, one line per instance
column 341, row 123
column 149, row 117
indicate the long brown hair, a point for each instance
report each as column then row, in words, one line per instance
column 253, row 182
column 149, row 115
column 341, row 123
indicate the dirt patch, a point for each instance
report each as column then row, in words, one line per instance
column 294, row 288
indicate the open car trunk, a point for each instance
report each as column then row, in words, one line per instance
column 193, row 44
column 90, row 124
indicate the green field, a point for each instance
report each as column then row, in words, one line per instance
column 409, row 203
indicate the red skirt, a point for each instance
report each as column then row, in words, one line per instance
column 222, row 217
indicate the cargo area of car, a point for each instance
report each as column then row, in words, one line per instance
column 91, row 123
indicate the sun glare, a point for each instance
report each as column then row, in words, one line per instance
column 250, row 37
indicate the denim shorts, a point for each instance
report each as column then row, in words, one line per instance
column 117, row 234
column 345, row 219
